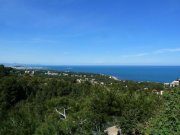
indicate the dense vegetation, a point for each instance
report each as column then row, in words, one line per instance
column 31, row 105
column 167, row 121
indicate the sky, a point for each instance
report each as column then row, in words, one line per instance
column 90, row 32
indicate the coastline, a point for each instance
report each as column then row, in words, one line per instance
column 156, row 74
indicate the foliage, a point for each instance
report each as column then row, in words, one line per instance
column 28, row 103
column 168, row 120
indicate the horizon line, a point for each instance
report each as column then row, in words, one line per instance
column 23, row 64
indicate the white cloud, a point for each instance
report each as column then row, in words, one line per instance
column 167, row 50
column 136, row 55
column 161, row 51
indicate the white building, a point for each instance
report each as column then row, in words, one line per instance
column 78, row 80
column 64, row 74
column 102, row 83
column 27, row 72
column 174, row 84
column 51, row 73
column 158, row 92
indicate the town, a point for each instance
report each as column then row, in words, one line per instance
column 100, row 79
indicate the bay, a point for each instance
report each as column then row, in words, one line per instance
column 136, row 73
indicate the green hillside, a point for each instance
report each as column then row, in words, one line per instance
column 41, row 104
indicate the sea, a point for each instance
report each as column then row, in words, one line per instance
column 162, row 74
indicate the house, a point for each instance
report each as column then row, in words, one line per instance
column 64, row 74
column 27, row 72
column 174, row 84
column 78, row 80
column 113, row 131
column 102, row 83
column 158, row 92
column 161, row 92
column 51, row 73
column 146, row 88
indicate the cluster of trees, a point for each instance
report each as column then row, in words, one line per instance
column 42, row 105
column 167, row 120
column 4, row 71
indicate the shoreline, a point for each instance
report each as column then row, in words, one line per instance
column 74, row 72
column 143, row 77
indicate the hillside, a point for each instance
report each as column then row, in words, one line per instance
column 167, row 121
column 60, row 104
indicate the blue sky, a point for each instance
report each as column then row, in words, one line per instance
column 90, row 32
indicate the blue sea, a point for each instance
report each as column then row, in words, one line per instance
column 136, row 73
